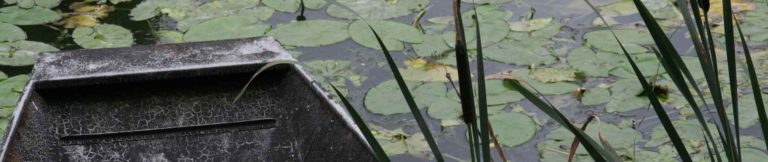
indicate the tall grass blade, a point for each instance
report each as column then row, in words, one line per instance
column 730, row 51
column 593, row 148
column 375, row 146
column 403, row 87
column 755, row 86
column 482, row 101
column 409, row 99
column 261, row 70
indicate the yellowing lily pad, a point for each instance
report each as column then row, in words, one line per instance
column 420, row 70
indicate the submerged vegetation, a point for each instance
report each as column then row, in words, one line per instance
column 569, row 80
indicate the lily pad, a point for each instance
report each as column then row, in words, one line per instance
column 391, row 33
column 545, row 88
column 29, row 16
column 310, row 33
column 3, row 76
column 32, row 3
column 231, row 27
column 103, row 36
column 151, row 8
column 386, row 98
column 647, row 63
column 551, row 75
column 486, row 1
column 513, row 128
column 517, row 53
column 625, row 96
column 11, row 89
column 595, row 96
column 396, row 142
column 188, row 18
column 433, row 45
column 375, row 9
column 633, row 40
column 421, row 70
column 293, row 5
column 530, row 25
column 335, row 72
column 168, row 36
column 748, row 115
column 689, row 130
column 22, row 53
column 621, row 138
column 10, row 33
column 491, row 31
column 593, row 64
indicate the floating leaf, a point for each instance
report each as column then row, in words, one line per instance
column 293, row 5
column 747, row 111
column 530, row 25
column 386, row 98
column 10, row 33
column 335, row 72
column 420, row 70
column 221, row 8
column 375, row 9
column 392, row 34
column 491, row 31
column 625, row 96
column 633, row 40
column 622, row 139
column 85, row 15
column 10, row 91
column 690, row 131
column 22, row 53
column 396, row 142
column 231, row 27
column 595, row 96
column 647, row 63
column 551, row 75
column 545, row 88
column 32, row 3
column 521, row 53
column 486, row 1
column 593, row 64
column 30, row 16
column 151, row 8
column 433, row 45
column 103, row 36
column 512, row 128
column 168, row 36
column 311, row 33
column 3, row 76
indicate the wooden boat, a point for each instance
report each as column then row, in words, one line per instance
column 175, row 103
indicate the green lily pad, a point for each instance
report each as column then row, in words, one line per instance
column 530, row 25
column 335, row 72
column 10, row 33
column 593, row 64
column 625, row 96
column 595, row 96
column 386, row 98
column 375, row 9
column 293, row 5
column 391, row 33
column 647, row 63
column 32, row 3
column 512, row 128
column 486, row 1
column 310, row 33
column 176, row 9
column 230, row 27
column 10, row 90
column 491, row 31
column 188, row 18
column 396, row 142
column 633, row 40
column 689, row 130
column 433, row 45
column 621, row 138
column 552, row 75
column 3, row 76
column 22, row 53
column 103, row 36
column 545, row 88
column 168, row 36
column 514, row 52
column 485, row 12
column 29, row 16
column 748, row 115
